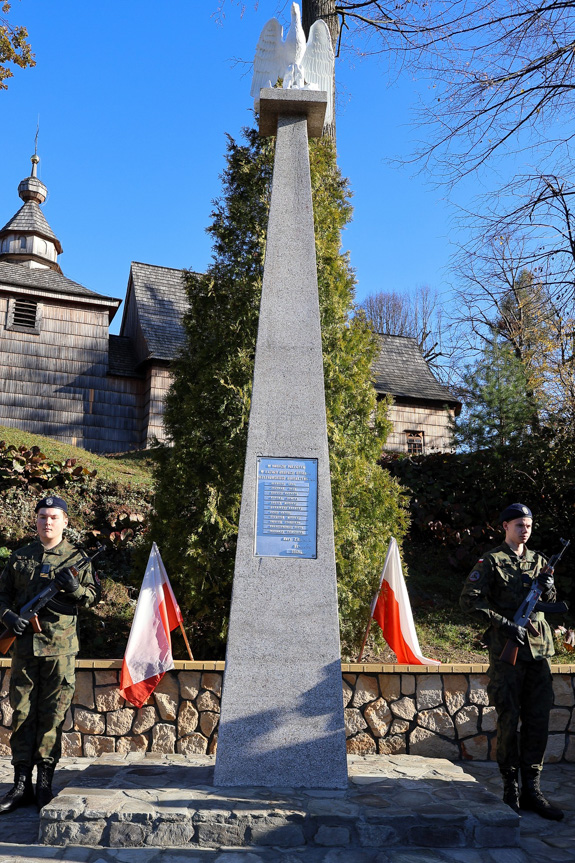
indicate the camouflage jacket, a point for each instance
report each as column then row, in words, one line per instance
column 496, row 587
column 26, row 573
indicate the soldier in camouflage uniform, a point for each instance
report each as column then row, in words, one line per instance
column 496, row 587
column 43, row 663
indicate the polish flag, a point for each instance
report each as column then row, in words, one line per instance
column 392, row 610
column 149, row 651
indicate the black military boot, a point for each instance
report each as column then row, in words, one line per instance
column 44, row 794
column 22, row 792
column 510, row 776
column 532, row 797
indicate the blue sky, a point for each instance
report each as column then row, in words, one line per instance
column 135, row 100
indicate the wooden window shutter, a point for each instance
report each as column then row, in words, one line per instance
column 24, row 316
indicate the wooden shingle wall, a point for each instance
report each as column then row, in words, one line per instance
column 119, row 410
column 55, row 382
column 433, row 421
column 157, row 383
column 68, row 379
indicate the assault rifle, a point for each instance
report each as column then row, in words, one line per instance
column 532, row 602
column 30, row 610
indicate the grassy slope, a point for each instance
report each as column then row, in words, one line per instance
column 132, row 467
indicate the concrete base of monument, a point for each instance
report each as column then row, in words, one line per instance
column 392, row 802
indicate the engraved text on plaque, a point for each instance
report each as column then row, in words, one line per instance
column 286, row 516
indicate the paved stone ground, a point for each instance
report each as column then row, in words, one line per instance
column 540, row 841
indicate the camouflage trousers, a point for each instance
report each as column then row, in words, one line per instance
column 523, row 692
column 41, row 691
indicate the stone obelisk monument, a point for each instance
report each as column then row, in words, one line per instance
column 282, row 712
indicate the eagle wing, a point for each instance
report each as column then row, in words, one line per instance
column 318, row 63
column 268, row 59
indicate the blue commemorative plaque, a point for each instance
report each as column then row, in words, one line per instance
column 286, row 516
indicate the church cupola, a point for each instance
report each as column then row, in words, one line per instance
column 28, row 239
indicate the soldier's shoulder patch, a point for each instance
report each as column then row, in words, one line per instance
column 475, row 575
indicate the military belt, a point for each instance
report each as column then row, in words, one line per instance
column 61, row 606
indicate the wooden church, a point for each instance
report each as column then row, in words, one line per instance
column 66, row 376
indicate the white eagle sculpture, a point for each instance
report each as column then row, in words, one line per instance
column 301, row 66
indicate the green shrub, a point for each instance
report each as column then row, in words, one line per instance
column 456, row 499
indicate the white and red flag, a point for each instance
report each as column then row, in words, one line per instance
column 149, row 651
column 392, row 610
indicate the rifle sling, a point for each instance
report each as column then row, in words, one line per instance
column 552, row 607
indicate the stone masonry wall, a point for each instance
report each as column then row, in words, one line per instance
column 181, row 716
column 441, row 714
column 417, row 710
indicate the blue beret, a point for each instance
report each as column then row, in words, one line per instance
column 515, row 510
column 50, row 502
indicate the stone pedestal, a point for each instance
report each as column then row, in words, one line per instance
column 274, row 730
column 415, row 809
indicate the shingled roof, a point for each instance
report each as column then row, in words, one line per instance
column 161, row 302
column 160, row 298
column 39, row 280
column 30, row 218
column 401, row 371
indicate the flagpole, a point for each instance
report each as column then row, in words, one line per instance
column 373, row 604
column 186, row 640
column 365, row 637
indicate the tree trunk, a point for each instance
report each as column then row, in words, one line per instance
column 312, row 10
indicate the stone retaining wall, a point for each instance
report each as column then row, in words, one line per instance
column 417, row 710
column 442, row 714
